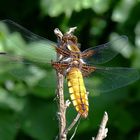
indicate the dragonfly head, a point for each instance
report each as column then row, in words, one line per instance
column 68, row 35
column 67, row 40
column 71, row 41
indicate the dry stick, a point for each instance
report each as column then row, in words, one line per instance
column 102, row 133
column 60, row 95
column 73, row 123
column 62, row 108
column 75, row 130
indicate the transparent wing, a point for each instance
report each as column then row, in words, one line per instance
column 19, row 42
column 25, row 55
column 32, row 74
column 109, row 78
column 105, row 52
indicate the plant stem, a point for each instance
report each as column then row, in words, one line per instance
column 102, row 132
column 73, row 123
column 62, row 108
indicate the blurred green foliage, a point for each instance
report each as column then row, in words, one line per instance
column 28, row 111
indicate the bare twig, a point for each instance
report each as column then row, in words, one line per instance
column 60, row 95
column 75, row 131
column 62, row 108
column 102, row 133
column 71, row 30
column 73, row 123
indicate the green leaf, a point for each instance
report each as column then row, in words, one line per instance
column 11, row 101
column 8, row 125
column 39, row 119
column 100, row 6
column 122, row 10
column 136, row 60
column 55, row 8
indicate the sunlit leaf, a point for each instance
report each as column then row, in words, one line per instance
column 53, row 8
column 122, row 10
column 11, row 101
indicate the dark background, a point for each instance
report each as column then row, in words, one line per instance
column 29, row 113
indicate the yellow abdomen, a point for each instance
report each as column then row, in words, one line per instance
column 77, row 91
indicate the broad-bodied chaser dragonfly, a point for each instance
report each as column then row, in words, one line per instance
column 72, row 63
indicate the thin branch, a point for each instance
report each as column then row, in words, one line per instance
column 73, row 123
column 60, row 95
column 75, row 131
column 71, row 30
column 102, row 133
column 62, row 108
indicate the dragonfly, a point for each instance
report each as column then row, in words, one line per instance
column 82, row 69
